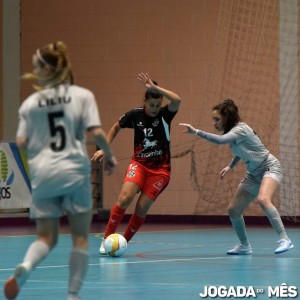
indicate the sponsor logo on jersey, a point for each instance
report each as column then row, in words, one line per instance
column 130, row 174
column 155, row 123
column 158, row 185
column 150, row 154
column 149, row 144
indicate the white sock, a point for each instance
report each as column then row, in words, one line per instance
column 276, row 222
column 36, row 252
column 78, row 266
column 239, row 226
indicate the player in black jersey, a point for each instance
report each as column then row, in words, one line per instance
column 148, row 172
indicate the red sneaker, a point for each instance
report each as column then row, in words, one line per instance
column 11, row 289
column 13, row 284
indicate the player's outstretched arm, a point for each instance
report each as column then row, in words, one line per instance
column 188, row 128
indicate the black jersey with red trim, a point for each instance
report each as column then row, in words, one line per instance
column 151, row 136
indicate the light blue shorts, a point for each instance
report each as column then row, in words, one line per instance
column 76, row 200
column 271, row 168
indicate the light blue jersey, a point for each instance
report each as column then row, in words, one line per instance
column 244, row 144
column 248, row 146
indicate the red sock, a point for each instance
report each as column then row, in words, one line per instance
column 115, row 218
column 134, row 225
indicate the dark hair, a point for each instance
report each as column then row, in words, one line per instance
column 151, row 93
column 230, row 114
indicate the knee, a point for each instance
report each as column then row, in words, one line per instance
column 234, row 212
column 142, row 207
column 54, row 241
column 51, row 241
column 263, row 202
column 124, row 200
column 80, row 241
column 141, row 211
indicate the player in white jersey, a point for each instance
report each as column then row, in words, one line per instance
column 261, row 181
column 52, row 126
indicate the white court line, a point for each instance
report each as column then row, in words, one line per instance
column 97, row 234
column 156, row 261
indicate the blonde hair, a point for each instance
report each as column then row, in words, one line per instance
column 54, row 55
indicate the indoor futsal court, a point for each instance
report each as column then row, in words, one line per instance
column 165, row 262
column 206, row 51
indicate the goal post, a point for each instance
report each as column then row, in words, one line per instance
column 255, row 63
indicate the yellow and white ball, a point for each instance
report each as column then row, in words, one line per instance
column 115, row 245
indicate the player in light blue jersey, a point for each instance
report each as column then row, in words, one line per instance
column 52, row 126
column 261, row 181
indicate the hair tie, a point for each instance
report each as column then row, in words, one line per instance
column 39, row 56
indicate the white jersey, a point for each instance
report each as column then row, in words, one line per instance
column 54, row 121
column 248, row 146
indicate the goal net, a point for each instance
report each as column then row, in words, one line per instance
column 255, row 63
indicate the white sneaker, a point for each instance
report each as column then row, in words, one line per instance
column 102, row 249
column 284, row 245
column 240, row 250
column 13, row 284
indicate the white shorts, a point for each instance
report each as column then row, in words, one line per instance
column 270, row 168
column 76, row 200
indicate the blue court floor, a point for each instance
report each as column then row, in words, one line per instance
column 167, row 264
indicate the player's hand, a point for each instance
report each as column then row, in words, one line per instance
column 98, row 155
column 110, row 164
column 145, row 79
column 223, row 172
column 188, row 128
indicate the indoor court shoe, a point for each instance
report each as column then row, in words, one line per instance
column 102, row 249
column 14, row 283
column 284, row 245
column 240, row 250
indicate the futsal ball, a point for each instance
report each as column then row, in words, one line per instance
column 115, row 245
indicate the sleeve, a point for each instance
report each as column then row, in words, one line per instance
column 227, row 138
column 168, row 115
column 22, row 123
column 126, row 121
column 91, row 115
column 234, row 161
column 240, row 132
